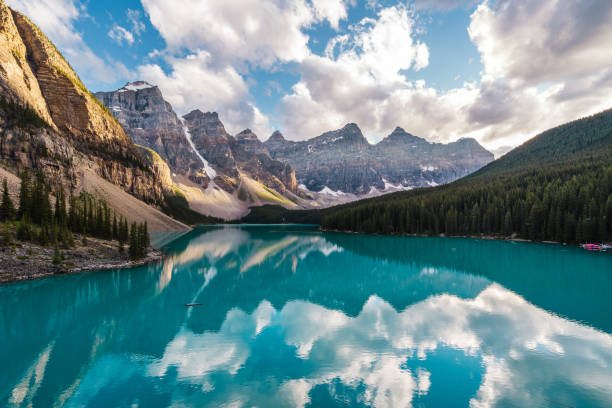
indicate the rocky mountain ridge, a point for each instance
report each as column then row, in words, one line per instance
column 223, row 174
column 151, row 122
column 344, row 161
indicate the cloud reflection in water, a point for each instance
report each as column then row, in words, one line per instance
column 294, row 317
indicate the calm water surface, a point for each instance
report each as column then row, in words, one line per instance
column 294, row 317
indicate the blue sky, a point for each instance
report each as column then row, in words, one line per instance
column 498, row 71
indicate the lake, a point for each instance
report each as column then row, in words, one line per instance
column 290, row 316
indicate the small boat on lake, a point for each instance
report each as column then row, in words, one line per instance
column 596, row 247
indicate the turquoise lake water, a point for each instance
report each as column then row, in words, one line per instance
column 294, row 317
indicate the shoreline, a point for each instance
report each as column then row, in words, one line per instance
column 24, row 261
column 19, row 261
column 483, row 237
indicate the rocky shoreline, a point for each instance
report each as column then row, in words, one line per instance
column 26, row 261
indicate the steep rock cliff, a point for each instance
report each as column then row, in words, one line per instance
column 150, row 121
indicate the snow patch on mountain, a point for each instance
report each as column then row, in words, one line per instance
column 210, row 172
column 392, row 187
column 328, row 191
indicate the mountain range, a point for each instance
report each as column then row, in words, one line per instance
column 343, row 160
column 239, row 171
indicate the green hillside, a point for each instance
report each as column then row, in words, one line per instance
column 589, row 138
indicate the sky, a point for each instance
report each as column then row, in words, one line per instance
column 497, row 70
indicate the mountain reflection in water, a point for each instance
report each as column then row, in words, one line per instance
column 294, row 317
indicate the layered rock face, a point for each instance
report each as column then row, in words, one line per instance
column 343, row 160
column 410, row 160
column 73, row 109
column 150, row 121
column 234, row 156
column 74, row 130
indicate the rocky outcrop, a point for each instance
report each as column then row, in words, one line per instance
column 74, row 110
column 212, row 141
column 158, row 165
column 423, row 164
column 343, row 160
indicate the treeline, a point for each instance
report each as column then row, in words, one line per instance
column 568, row 204
column 37, row 220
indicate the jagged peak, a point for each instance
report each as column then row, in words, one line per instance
column 352, row 127
column 246, row 134
column 349, row 133
column 471, row 142
column 277, row 136
column 399, row 131
column 467, row 140
column 197, row 113
column 400, row 135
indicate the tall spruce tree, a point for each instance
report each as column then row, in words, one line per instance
column 24, row 195
column 134, row 249
column 115, row 234
column 7, row 209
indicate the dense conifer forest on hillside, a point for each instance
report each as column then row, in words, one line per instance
column 37, row 220
column 557, row 186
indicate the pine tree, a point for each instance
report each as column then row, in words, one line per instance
column 66, row 236
column 43, row 235
column 108, row 225
column 60, row 206
column 7, row 209
column 57, row 254
column 146, row 238
column 24, row 196
column 115, row 234
column 134, row 249
column 121, row 234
